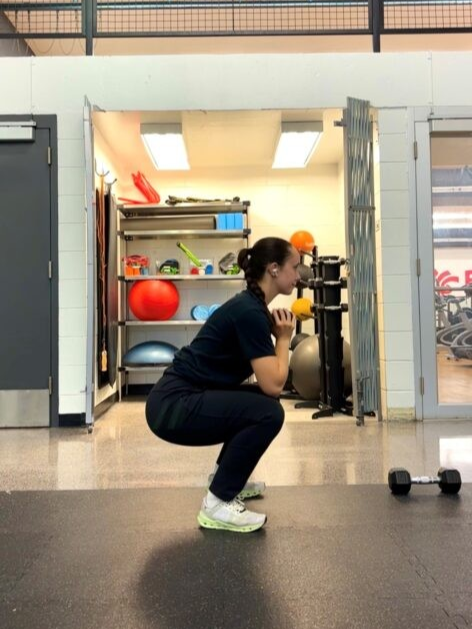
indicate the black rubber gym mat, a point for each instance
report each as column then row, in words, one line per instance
column 329, row 557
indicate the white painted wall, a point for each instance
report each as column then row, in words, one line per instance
column 389, row 81
column 454, row 265
column 395, row 320
column 72, row 269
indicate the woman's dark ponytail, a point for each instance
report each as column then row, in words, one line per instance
column 243, row 258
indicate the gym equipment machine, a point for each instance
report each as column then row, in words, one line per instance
column 327, row 309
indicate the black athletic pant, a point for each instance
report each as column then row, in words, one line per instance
column 243, row 418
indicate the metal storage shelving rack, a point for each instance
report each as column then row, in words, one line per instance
column 143, row 214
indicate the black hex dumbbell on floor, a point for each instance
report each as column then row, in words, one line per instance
column 400, row 481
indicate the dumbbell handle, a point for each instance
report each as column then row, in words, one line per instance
column 425, row 480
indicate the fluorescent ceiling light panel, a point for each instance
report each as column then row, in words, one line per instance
column 165, row 145
column 297, row 143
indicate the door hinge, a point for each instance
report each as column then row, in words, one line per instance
column 418, row 267
column 421, row 385
column 415, row 149
column 50, row 269
column 49, row 156
column 50, row 385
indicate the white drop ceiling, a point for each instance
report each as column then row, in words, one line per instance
column 218, row 139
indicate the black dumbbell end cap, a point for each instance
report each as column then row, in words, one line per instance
column 450, row 480
column 399, row 481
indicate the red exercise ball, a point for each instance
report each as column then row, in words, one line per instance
column 153, row 300
column 302, row 241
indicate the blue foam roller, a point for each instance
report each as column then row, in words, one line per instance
column 212, row 308
column 230, row 222
column 150, row 353
column 199, row 313
column 238, row 221
column 221, row 221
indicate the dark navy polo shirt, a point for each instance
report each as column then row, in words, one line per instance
column 220, row 354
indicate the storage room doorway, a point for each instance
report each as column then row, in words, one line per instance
column 230, row 157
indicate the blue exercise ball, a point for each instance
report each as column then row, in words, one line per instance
column 150, row 353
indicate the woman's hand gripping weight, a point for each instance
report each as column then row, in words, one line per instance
column 272, row 371
column 284, row 323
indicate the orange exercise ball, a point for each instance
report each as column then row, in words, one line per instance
column 153, row 300
column 302, row 241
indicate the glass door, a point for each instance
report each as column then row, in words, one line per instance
column 444, row 206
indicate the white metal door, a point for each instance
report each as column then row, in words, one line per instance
column 444, row 233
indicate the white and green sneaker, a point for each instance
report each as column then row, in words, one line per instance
column 230, row 516
column 251, row 489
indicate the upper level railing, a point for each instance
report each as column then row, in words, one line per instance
column 90, row 19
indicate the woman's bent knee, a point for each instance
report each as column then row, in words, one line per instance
column 276, row 414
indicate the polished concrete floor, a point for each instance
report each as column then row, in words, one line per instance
column 121, row 452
